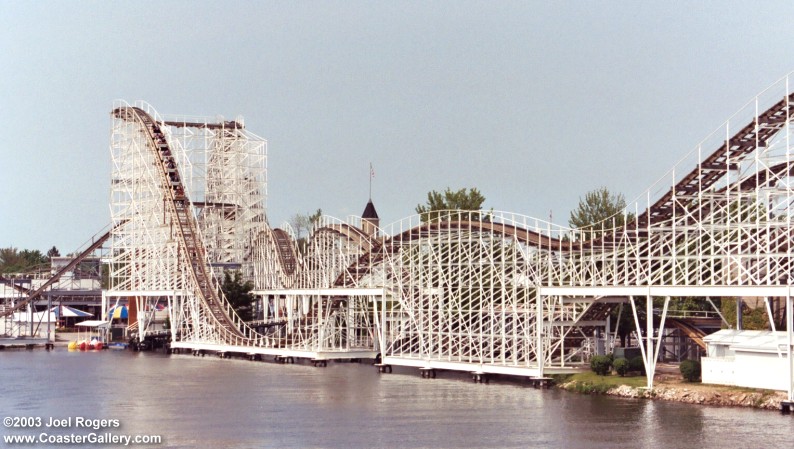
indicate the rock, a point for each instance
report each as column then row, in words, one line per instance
column 702, row 394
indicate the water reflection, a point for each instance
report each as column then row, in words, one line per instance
column 209, row 402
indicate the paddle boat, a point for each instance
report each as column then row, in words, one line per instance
column 92, row 340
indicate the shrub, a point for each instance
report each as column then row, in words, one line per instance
column 589, row 388
column 600, row 364
column 690, row 370
column 621, row 365
column 637, row 364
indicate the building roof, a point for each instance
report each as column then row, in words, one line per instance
column 731, row 336
column 370, row 212
column 748, row 340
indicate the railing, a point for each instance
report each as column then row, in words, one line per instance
column 684, row 314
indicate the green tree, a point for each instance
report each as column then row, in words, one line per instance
column 53, row 252
column 752, row 318
column 601, row 364
column 690, row 370
column 449, row 200
column 14, row 261
column 238, row 293
column 599, row 210
column 315, row 217
column 34, row 257
column 623, row 318
column 621, row 365
column 10, row 260
column 300, row 224
column 303, row 223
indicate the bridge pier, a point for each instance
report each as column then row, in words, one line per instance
column 320, row 363
column 428, row 373
column 480, row 377
column 382, row 368
column 541, row 382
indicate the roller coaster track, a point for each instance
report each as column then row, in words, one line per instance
column 684, row 196
column 189, row 241
column 186, row 124
column 378, row 251
column 705, row 175
column 481, row 300
column 695, row 334
column 351, row 233
column 505, row 230
column 286, row 251
column 752, row 136
column 32, row 295
column 361, row 240
column 764, row 178
column 14, row 285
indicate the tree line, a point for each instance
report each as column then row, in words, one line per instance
column 12, row 260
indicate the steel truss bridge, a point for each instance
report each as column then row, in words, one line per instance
column 477, row 291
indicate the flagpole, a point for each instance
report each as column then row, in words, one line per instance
column 370, row 181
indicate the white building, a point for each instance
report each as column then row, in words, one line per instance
column 746, row 358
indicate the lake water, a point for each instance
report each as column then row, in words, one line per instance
column 221, row 403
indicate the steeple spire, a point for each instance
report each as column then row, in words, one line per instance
column 370, row 220
column 371, row 175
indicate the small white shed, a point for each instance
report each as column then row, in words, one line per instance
column 754, row 359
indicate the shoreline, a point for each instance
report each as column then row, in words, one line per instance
column 667, row 387
column 674, row 389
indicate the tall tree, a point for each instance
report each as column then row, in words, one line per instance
column 304, row 222
column 300, row 224
column 10, row 260
column 33, row 257
column 315, row 217
column 238, row 293
column 449, row 200
column 53, row 252
column 599, row 210
column 14, row 261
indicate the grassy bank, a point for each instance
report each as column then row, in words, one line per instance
column 591, row 383
column 670, row 388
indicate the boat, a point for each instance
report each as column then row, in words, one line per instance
column 92, row 341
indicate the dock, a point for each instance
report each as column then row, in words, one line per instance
column 25, row 342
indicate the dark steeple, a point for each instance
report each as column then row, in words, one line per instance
column 369, row 212
column 370, row 220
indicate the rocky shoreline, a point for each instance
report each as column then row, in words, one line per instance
column 715, row 395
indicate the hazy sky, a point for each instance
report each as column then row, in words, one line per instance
column 534, row 103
